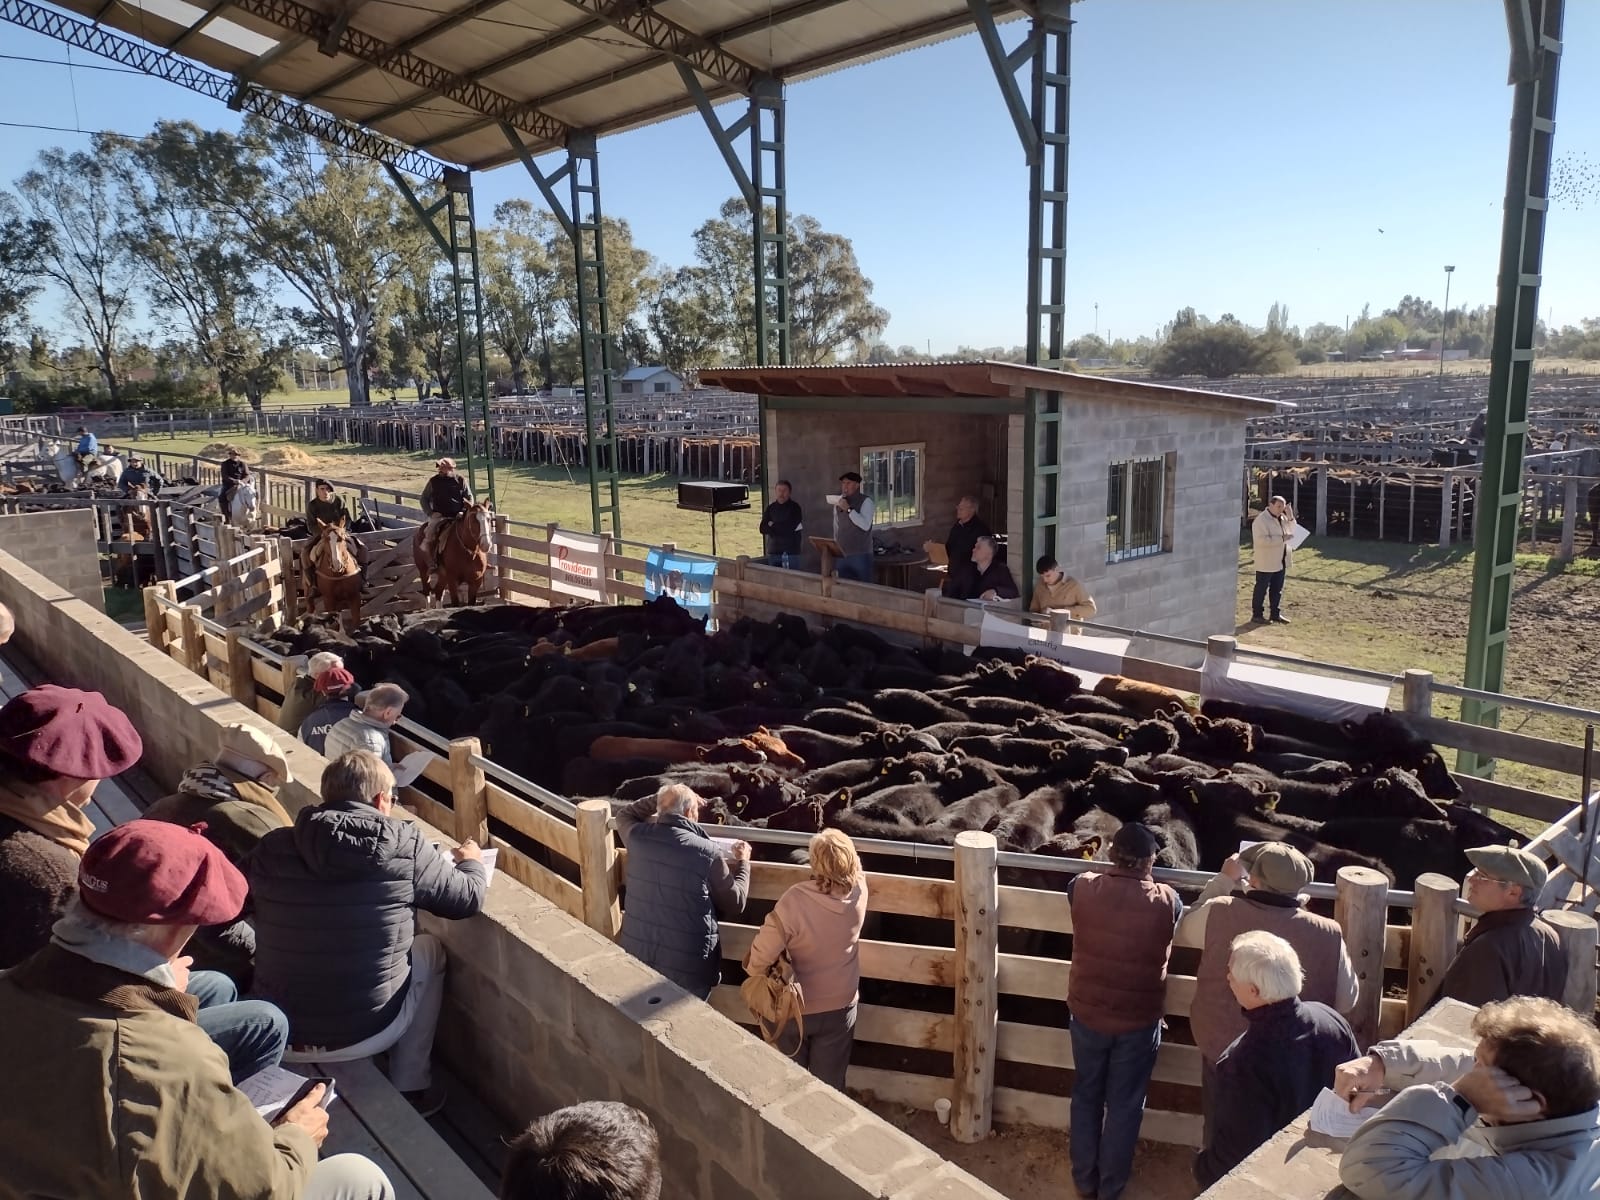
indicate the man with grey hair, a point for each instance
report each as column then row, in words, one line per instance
column 336, row 901
column 958, row 544
column 377, row 709
column 1510, row 951
column 1270, row 535
column 678, row 880
column 1275, row 1068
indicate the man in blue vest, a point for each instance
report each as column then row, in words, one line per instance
column 678, row 880
column 87, row 448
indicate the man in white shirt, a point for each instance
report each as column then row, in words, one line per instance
column 852, row 529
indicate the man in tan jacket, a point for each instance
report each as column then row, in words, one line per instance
column 1056, row 590
column 138, row 1100
column 1269, row 537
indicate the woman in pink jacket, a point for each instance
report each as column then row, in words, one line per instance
column 819, row 923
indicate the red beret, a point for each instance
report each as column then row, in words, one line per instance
column 155, row 873
column 333, row 681
column 70, row 732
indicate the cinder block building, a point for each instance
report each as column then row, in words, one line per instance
column 1146, row 494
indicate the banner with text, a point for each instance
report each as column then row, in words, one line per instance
column 575, row 564
column 1098, row 655
column 687, row 580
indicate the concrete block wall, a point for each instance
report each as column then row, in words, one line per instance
column 60, row 544
column 541, row 1010
column 1191, row 589
column 964, row 451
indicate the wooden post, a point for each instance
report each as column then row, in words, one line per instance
column 469, row 791
column 1221, row 645
column 1447, row 504
column 502, row 530
column 1417, row 692
column 977, row 930
column 739, row 565
column 1569, row 517
column 241, row 677
column 1361, row 906
column 155, row 626
column 1322, row 501
column 1579, row 937
column 194, row 642
column 597, row 868
column 1435, row 934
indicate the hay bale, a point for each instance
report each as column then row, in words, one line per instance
column 287, row 456
column 220, row 450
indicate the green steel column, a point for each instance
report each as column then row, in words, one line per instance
column 1535, row 35
column 769, row 182
column 470, row 359
column 594, row 332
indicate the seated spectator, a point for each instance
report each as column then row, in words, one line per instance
column 335, row 691
column 1275, row 1068
column 138, row 1100
column 336, row 903
column 56, row 745
column 303, row 697
column 1510, row 951
column 678, row 880
column 968, row 528
column 597, row 1150
column 1520, row 1119
column 819, row 922
column 989, row 578
column 1057, row 590
column 234, row 800
column 368, row 728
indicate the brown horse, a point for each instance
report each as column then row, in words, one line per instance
column 338, row 573
column 464, row 554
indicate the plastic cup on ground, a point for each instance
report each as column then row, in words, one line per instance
column 941, row 1109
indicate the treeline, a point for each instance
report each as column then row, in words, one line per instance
column 208, row 263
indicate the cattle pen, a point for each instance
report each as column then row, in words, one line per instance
column 984, row 1024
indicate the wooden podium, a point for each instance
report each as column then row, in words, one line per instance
column 829, row 550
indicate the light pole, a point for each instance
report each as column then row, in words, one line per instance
column 1444, row 322
column 1097, row 318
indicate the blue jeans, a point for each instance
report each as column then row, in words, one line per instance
column 252, row 1033
column 1112, row 1077
column 787, row 559
column 856, row 566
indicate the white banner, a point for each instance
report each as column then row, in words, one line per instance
column 1099, row 655
column 575, row 565
column 1319, row 696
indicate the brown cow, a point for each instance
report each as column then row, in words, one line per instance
column 1147, row 699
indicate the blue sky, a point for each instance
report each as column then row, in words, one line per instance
column 1223, row 155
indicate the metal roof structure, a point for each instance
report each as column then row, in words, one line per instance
column 972, row 378
column 443, row 75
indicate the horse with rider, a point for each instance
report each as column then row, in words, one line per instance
column 451, row 549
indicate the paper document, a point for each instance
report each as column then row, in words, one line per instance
column 1243, row 846
column 832, row 500
column 270, row 1090
column 1332, row 1116
column 725, row 845
column 409, row 767
column 1297, row 535
column 489, row 857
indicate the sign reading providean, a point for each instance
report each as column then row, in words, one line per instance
column 575, row 560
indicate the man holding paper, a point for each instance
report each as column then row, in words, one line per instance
column 368, row 729
column 336, row 910
column 852, row 528
column 1272, row 537
column 116, row 1090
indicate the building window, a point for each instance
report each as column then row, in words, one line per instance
column 1136, row 508
column 660, row 387
column 891, row 476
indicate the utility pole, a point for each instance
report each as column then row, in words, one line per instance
column 1444, row 322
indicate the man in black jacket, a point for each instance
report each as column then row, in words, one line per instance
column 234, row 469
column 987, row 578
column 444, row 498
column 964, row 535
column 781, row 527
column 336, row 899
column 1275, row 1068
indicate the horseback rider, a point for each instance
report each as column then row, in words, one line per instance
column 329, row 509
column 139, row 475
column 87, row 449
column 234, row 471
column 444, row 498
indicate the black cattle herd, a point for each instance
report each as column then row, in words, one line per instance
column 785, row 727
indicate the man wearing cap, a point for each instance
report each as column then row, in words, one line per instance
column 139, row 475
column 1510, row 951
column 56, row 745
column 852, row 529
column 336, row 910
column 233, row 800
column 1122, row 926
column 321, row 698
column 444, row 498
column 115, row 1091
column 1289, row 1051
column 234, row 472
column 1258, row 888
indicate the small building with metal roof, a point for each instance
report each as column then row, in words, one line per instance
column 1146, row 498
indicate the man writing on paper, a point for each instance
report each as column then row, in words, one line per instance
column 1270, row 535
column 852, row 528
column 1521, row 1119
column 1272, row 1071
column 115, row 1091
column 336, row 911
column 1058, row 590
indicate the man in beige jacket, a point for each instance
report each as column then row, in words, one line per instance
column 1269, row 536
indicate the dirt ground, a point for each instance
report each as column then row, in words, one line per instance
column 1025, row 1162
